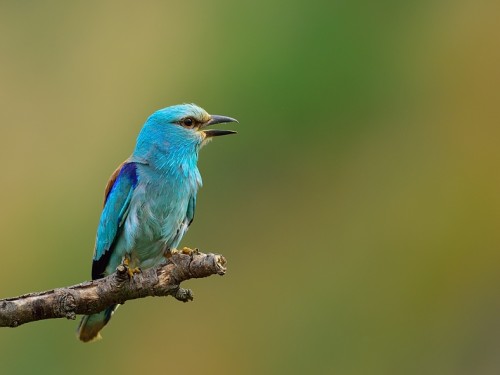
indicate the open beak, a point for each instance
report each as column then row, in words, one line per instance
column 215, row 119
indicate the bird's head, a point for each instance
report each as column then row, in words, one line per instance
column 180, row 128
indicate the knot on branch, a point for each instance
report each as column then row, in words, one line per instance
column 183, row 295
column 6, row 310
column 120, row 277
column 67, row 304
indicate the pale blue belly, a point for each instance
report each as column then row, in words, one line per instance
column 156, row 221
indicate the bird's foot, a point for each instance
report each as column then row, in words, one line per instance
column 189, row 251
column 132, row 271
column 170, row 252
column 126, row 261
column 185, row 250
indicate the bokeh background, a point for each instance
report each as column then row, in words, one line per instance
column 358, row 206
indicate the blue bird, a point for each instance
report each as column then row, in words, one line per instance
column 150, row 199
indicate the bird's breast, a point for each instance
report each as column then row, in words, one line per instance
column 158, row 211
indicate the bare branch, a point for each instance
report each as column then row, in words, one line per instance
column 94, row 296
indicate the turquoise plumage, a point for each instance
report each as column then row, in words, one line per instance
column 150, row 199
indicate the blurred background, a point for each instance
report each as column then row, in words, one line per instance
column 358, row 207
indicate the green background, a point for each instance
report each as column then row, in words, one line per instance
column 358, row 206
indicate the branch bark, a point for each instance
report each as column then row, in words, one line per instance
column 94, row 296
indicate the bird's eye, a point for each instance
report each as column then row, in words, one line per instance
column 188, row 122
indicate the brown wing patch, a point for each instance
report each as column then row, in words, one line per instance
column 111, row 182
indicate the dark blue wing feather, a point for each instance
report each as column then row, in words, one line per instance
column 118, row 196
column 191, row 209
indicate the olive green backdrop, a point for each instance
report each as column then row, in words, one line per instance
column 358, row 206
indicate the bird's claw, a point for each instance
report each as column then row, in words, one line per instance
column 185, row 250
column 132, row 271
column 170, row 252
column 189, row 251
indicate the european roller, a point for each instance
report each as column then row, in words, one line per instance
column 150, row 199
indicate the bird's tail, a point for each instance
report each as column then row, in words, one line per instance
column 90, row 325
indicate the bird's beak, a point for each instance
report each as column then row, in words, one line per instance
column 215, row 119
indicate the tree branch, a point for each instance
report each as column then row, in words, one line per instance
column 94, row 296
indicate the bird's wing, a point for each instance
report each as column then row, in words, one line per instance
column 191, row 209
column 118, row 195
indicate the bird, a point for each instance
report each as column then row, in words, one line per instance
column 150, row 199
